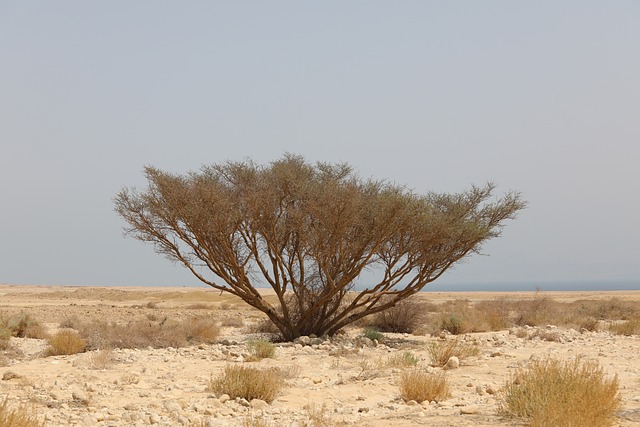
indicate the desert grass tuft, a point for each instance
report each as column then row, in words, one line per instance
column 404, row 360
column 201, row 329
column 420, row 386
column 66, row 341
column 17, row 417
column 626, row 327
column 260, row 349
column 248, row 383
column 441, row 351
column 552, row 392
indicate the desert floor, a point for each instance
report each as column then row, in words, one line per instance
column 337, row 382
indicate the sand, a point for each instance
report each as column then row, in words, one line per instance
column 345, row 381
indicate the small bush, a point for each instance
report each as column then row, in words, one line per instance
column 452, row 324
column 233, row 322
column 101, row 359
column 67, row 341
column 627, row 327
column 373, row 334
column 5, row 334
column 260, row 349
column 561, row 393
column 441, row 351
column 405, row 317
column 18, row 417
column 24, row 326
column 248, row 383
column 201, row 329
column 404, row 360
column 421, row 386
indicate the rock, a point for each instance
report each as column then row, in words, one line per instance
column 80, row 396
column 172, row 406
column 303, row 340
column 469, row 410
column 224, row 398
column 10, row 375
column 259, row 404
column 452, row 363
column 491, row 389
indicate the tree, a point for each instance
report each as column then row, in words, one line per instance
column 309, row 232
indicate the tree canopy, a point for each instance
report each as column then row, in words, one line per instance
column 310, row 231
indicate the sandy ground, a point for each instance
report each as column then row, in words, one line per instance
column 345, row 380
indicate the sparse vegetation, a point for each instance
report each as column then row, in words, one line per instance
column 552, row 392
column 66, row 341
column 18, row 417
column 143, row 333
column 404, row 360
column 248, row 383
column 626, row 327
column 373, row 334
column 22, row 326
column 405, row 317
column 442, row 351
column 260, row 349
column 420, row 386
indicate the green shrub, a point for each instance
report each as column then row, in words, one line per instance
column 373, row 334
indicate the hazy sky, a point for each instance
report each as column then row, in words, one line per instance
column 541, row 97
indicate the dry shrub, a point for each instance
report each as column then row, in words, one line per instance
column 265, row 326
column 143, row 333
column 248, row 383
column 405, row 317
column 233, row 322
column 201, row 329
column 561, row 393
column 260, row 349
column 101, row 359
column 494, row 313
column 18, row 417
column 199, row 306
column 611, row 309
column 320, row 416
column 23, row 326
column 254, row 421
column 441, row 351
column 546, row 335
column 421, row 386
column 5, row 334
column 627, row 327
column 541, row 310
column 66, row 341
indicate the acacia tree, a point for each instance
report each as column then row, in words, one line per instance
column 309, row 232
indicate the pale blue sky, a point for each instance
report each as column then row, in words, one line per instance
column 541, row 97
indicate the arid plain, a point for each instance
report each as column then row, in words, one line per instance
column 345, row 380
